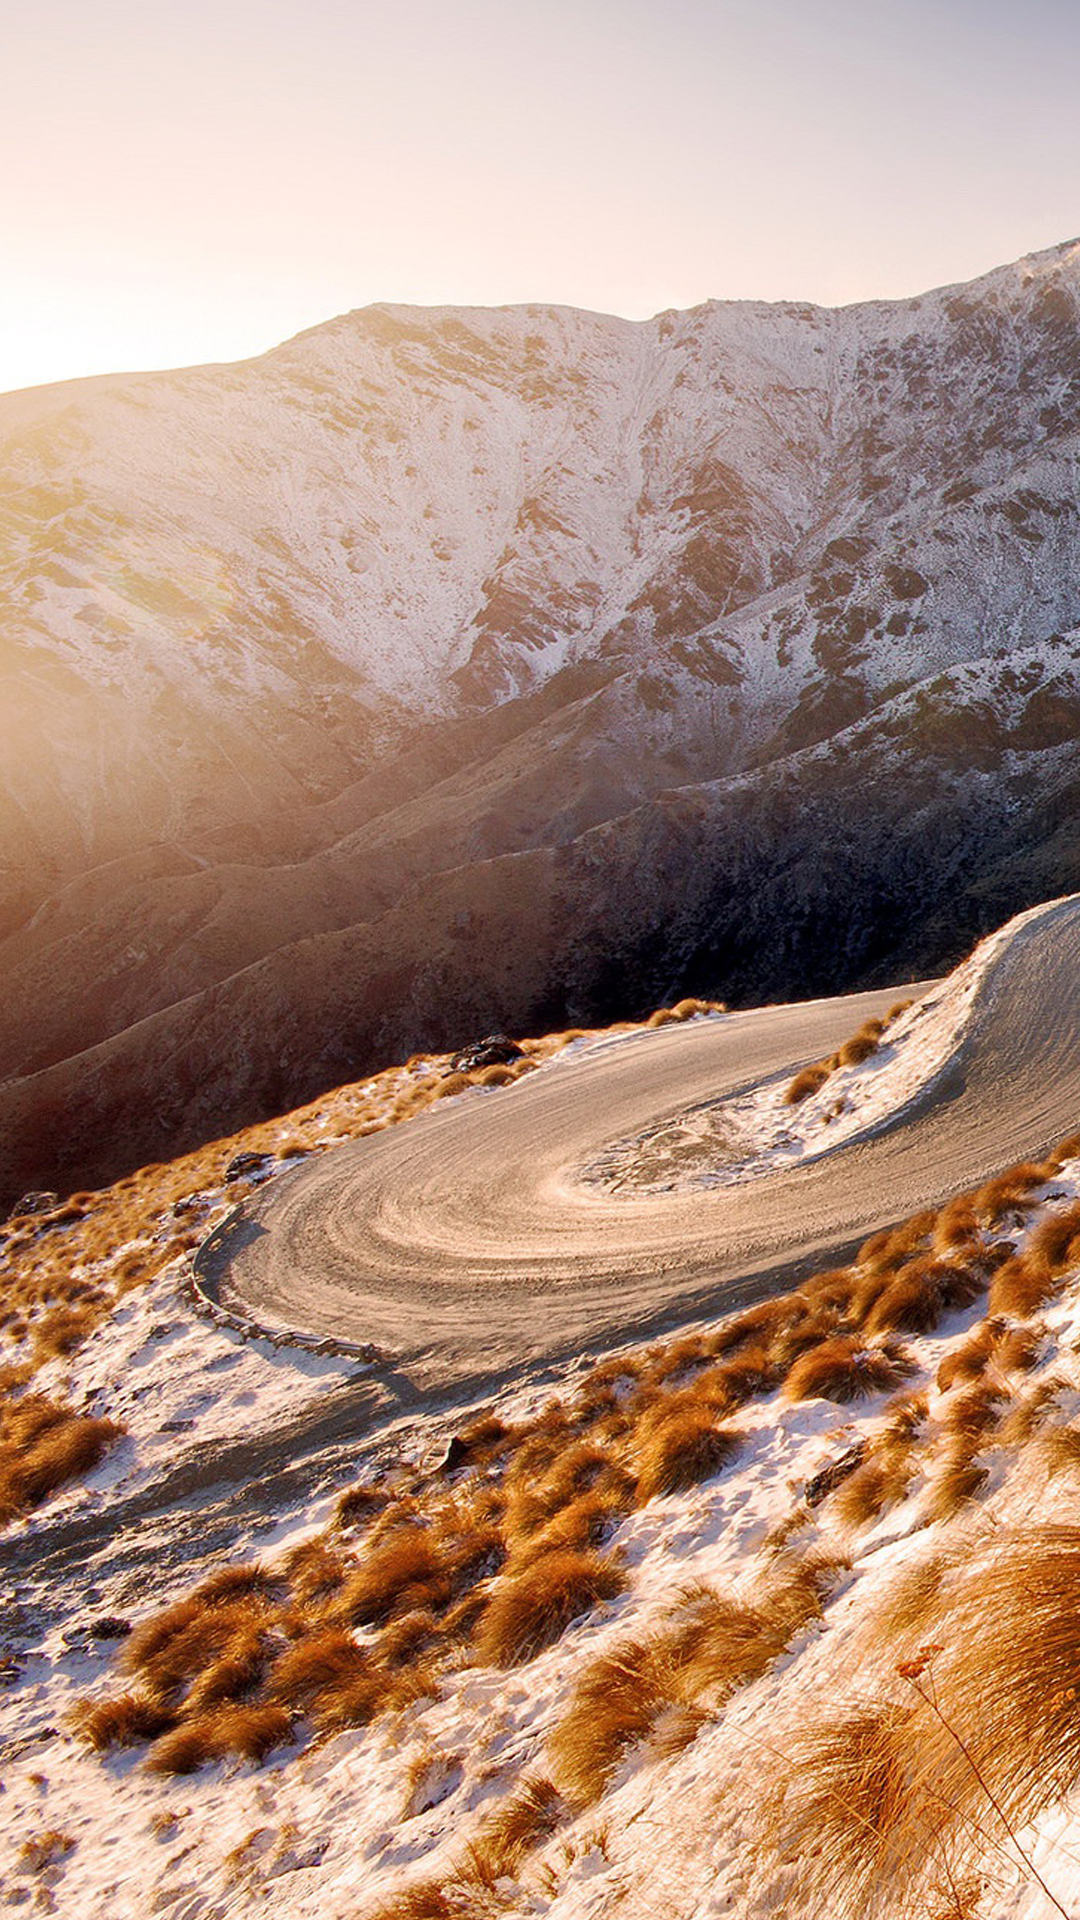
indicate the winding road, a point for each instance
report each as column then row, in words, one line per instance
column 467, row 1242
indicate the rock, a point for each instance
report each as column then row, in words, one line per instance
column 244, row 1165
column 109, row 1626
column 831, row 1475
column 497, row 1050
column 34, row 1203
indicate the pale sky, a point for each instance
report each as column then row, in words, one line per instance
column 187, row 182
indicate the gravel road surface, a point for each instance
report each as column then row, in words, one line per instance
column 467, row 1241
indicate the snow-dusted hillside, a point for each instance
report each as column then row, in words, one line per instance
column 286, row 641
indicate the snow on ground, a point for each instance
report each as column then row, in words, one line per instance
column 343, row 1825
column 759, row 1132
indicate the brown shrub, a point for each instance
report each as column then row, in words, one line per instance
column 845, row 1368
column 45, row 1849
column 681, row 1449
column 530, row 1610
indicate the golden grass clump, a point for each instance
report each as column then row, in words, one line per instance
column 44, row 1446
column 679, row 1449
column 982, row 1734
column 1022, row 1284
column 531, row 1609
column 247, row 1732
column 1011, row 1192
column 532, row 1814
column 847, row 1368
column 127, row 1720
column 169, row 1651
column 319, row 1665
column 862, row 1044
column 1056, row 1239
column 806, row 1082
column 400, row 1573
column 683, row 1010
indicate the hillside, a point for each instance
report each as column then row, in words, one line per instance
column 773, row 1613
column 443, row 670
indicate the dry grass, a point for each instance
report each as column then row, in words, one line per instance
column 981, row 1736
column 854, row 1052
column 1011, row 1193
column 45, row 1849
column 127, row 1720
column 43, row 1447
column 806, row 1082
column 530, row 1610
column 683, row 1010
column 846, row 1368
column 247, row 1732
column 1021, row 1286
column 661, row 1689
column 532, row 1814
column 680, row 1449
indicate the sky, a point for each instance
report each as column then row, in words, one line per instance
column 193, row 182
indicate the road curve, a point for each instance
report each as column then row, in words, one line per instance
column 465, row 1244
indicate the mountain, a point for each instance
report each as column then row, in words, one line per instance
column 448, row 669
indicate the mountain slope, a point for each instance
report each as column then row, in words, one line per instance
column 444, row 669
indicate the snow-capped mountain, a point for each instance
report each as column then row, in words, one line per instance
column 455, row 668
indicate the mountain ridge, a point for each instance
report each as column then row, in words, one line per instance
column 304, row 643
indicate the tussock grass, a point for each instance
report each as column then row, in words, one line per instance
column 847, row 1368
column 809, row 1080
column 228, row 1732
column 680, row 1449
column 661, row 1689
column 1022, row 1285
column 530, row 1610
column 683, row 1010
column 980, row 1735
column 1011, row 1193
column 43, row 1447
column 319, row 1665
column 853, row 1053
column 127, row 1720
column 532, row 1814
